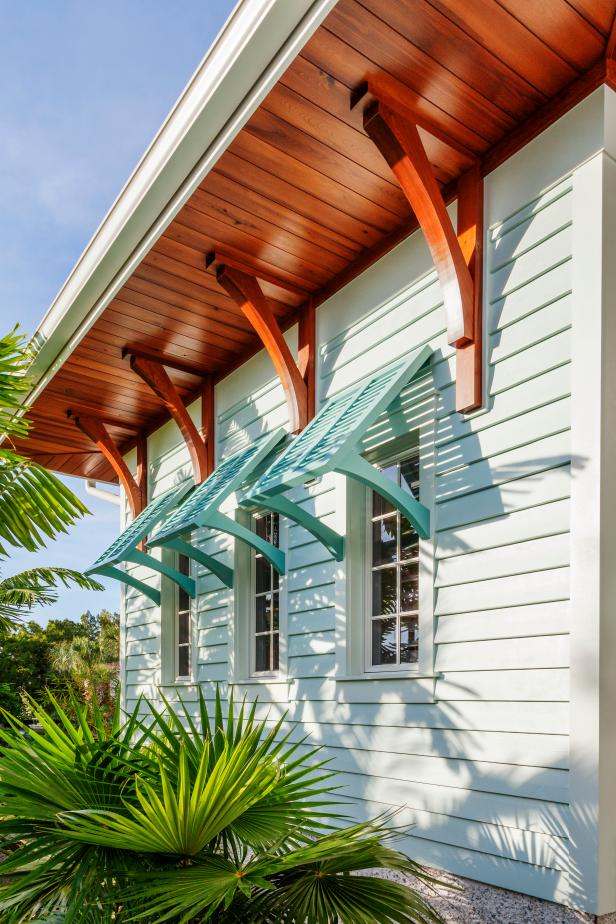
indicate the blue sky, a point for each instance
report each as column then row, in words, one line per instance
column 85, row 86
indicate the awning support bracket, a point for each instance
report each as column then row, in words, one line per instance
column 182, row 580
column 276, row 557
column 332, row 540
column 118, row 575
column 222, row 571
column 355, row 466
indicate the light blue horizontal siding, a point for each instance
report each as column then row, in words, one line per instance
column 479, row 756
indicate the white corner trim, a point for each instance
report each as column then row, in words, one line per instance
column 586, row 387
column 256, row 45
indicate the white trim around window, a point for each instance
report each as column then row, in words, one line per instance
column 354, row 577
column 242, row 630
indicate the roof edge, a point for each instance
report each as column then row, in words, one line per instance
column 252, row 50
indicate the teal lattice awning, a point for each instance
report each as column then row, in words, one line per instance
column 202, row 507
column 124, row 548
column 331, row 442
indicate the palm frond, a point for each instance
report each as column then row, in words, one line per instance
column 37, row 587
column 34, row 504
column 146, row 816
column 15, row 358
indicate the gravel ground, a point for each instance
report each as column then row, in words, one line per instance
column 481, row 904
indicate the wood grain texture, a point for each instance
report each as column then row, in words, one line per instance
column 156, row 376
column 247, row 293
column 302, row 196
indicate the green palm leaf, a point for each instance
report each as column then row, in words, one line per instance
column 37, row 587
column 15, row 358
column 34, row 504
column 183, row 818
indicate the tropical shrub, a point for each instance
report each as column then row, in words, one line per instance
column 34, row 504
column 167, row 816
column 66, row 654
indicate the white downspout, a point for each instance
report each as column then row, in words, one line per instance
column 102, row 493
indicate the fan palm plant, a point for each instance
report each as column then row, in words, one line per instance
column 34, row 504
column 182, row 816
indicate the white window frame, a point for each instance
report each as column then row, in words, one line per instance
column 253, row 602
column 369, row 667
column 169, row 626
column 179, row 678
column 352, row 592
column 241, row 634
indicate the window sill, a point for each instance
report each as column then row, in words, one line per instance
column 259, row 681
column 387, row 675
column 184, row 682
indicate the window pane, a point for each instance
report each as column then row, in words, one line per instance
column 183, row 628
column 262, row 652
column 261, row 524
column 262, row 574
column 263, row 610
column 409, row 635
column 276, row 612
column 409, row 543
column 384, row 541
column 379, row 504
column 184, row 564
column 183, row 661
column 409, row 475
column 409, row 588
column 384, row 595
column 274, row 532
column 384, row 641
column 275, row 579
column 275, row 653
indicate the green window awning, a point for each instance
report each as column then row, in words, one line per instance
column 201, row 508
column 331, row 442
column 124, row 548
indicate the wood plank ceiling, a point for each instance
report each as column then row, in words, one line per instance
column 302, row 194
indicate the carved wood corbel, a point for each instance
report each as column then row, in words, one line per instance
column 246, row 292
column 136, row 488
column 389, row 122
column 156, row 377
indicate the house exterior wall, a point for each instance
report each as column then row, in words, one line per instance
column 492, row 748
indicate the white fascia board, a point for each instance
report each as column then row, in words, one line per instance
column 256, row 45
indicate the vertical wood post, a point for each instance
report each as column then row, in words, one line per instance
column 208, row 423
column 469, row 357
column 306, row 354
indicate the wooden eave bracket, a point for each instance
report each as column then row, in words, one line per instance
column 297, row 379
column 391, row 123
column 156, row 377
column 134, row 487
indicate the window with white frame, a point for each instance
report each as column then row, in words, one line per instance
column 392, row 640
column 265, row 599
column 183, row 625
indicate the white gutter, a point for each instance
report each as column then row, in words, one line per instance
column 102, row 493
column 258, row 42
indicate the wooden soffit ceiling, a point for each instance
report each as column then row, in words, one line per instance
column 302, row 195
